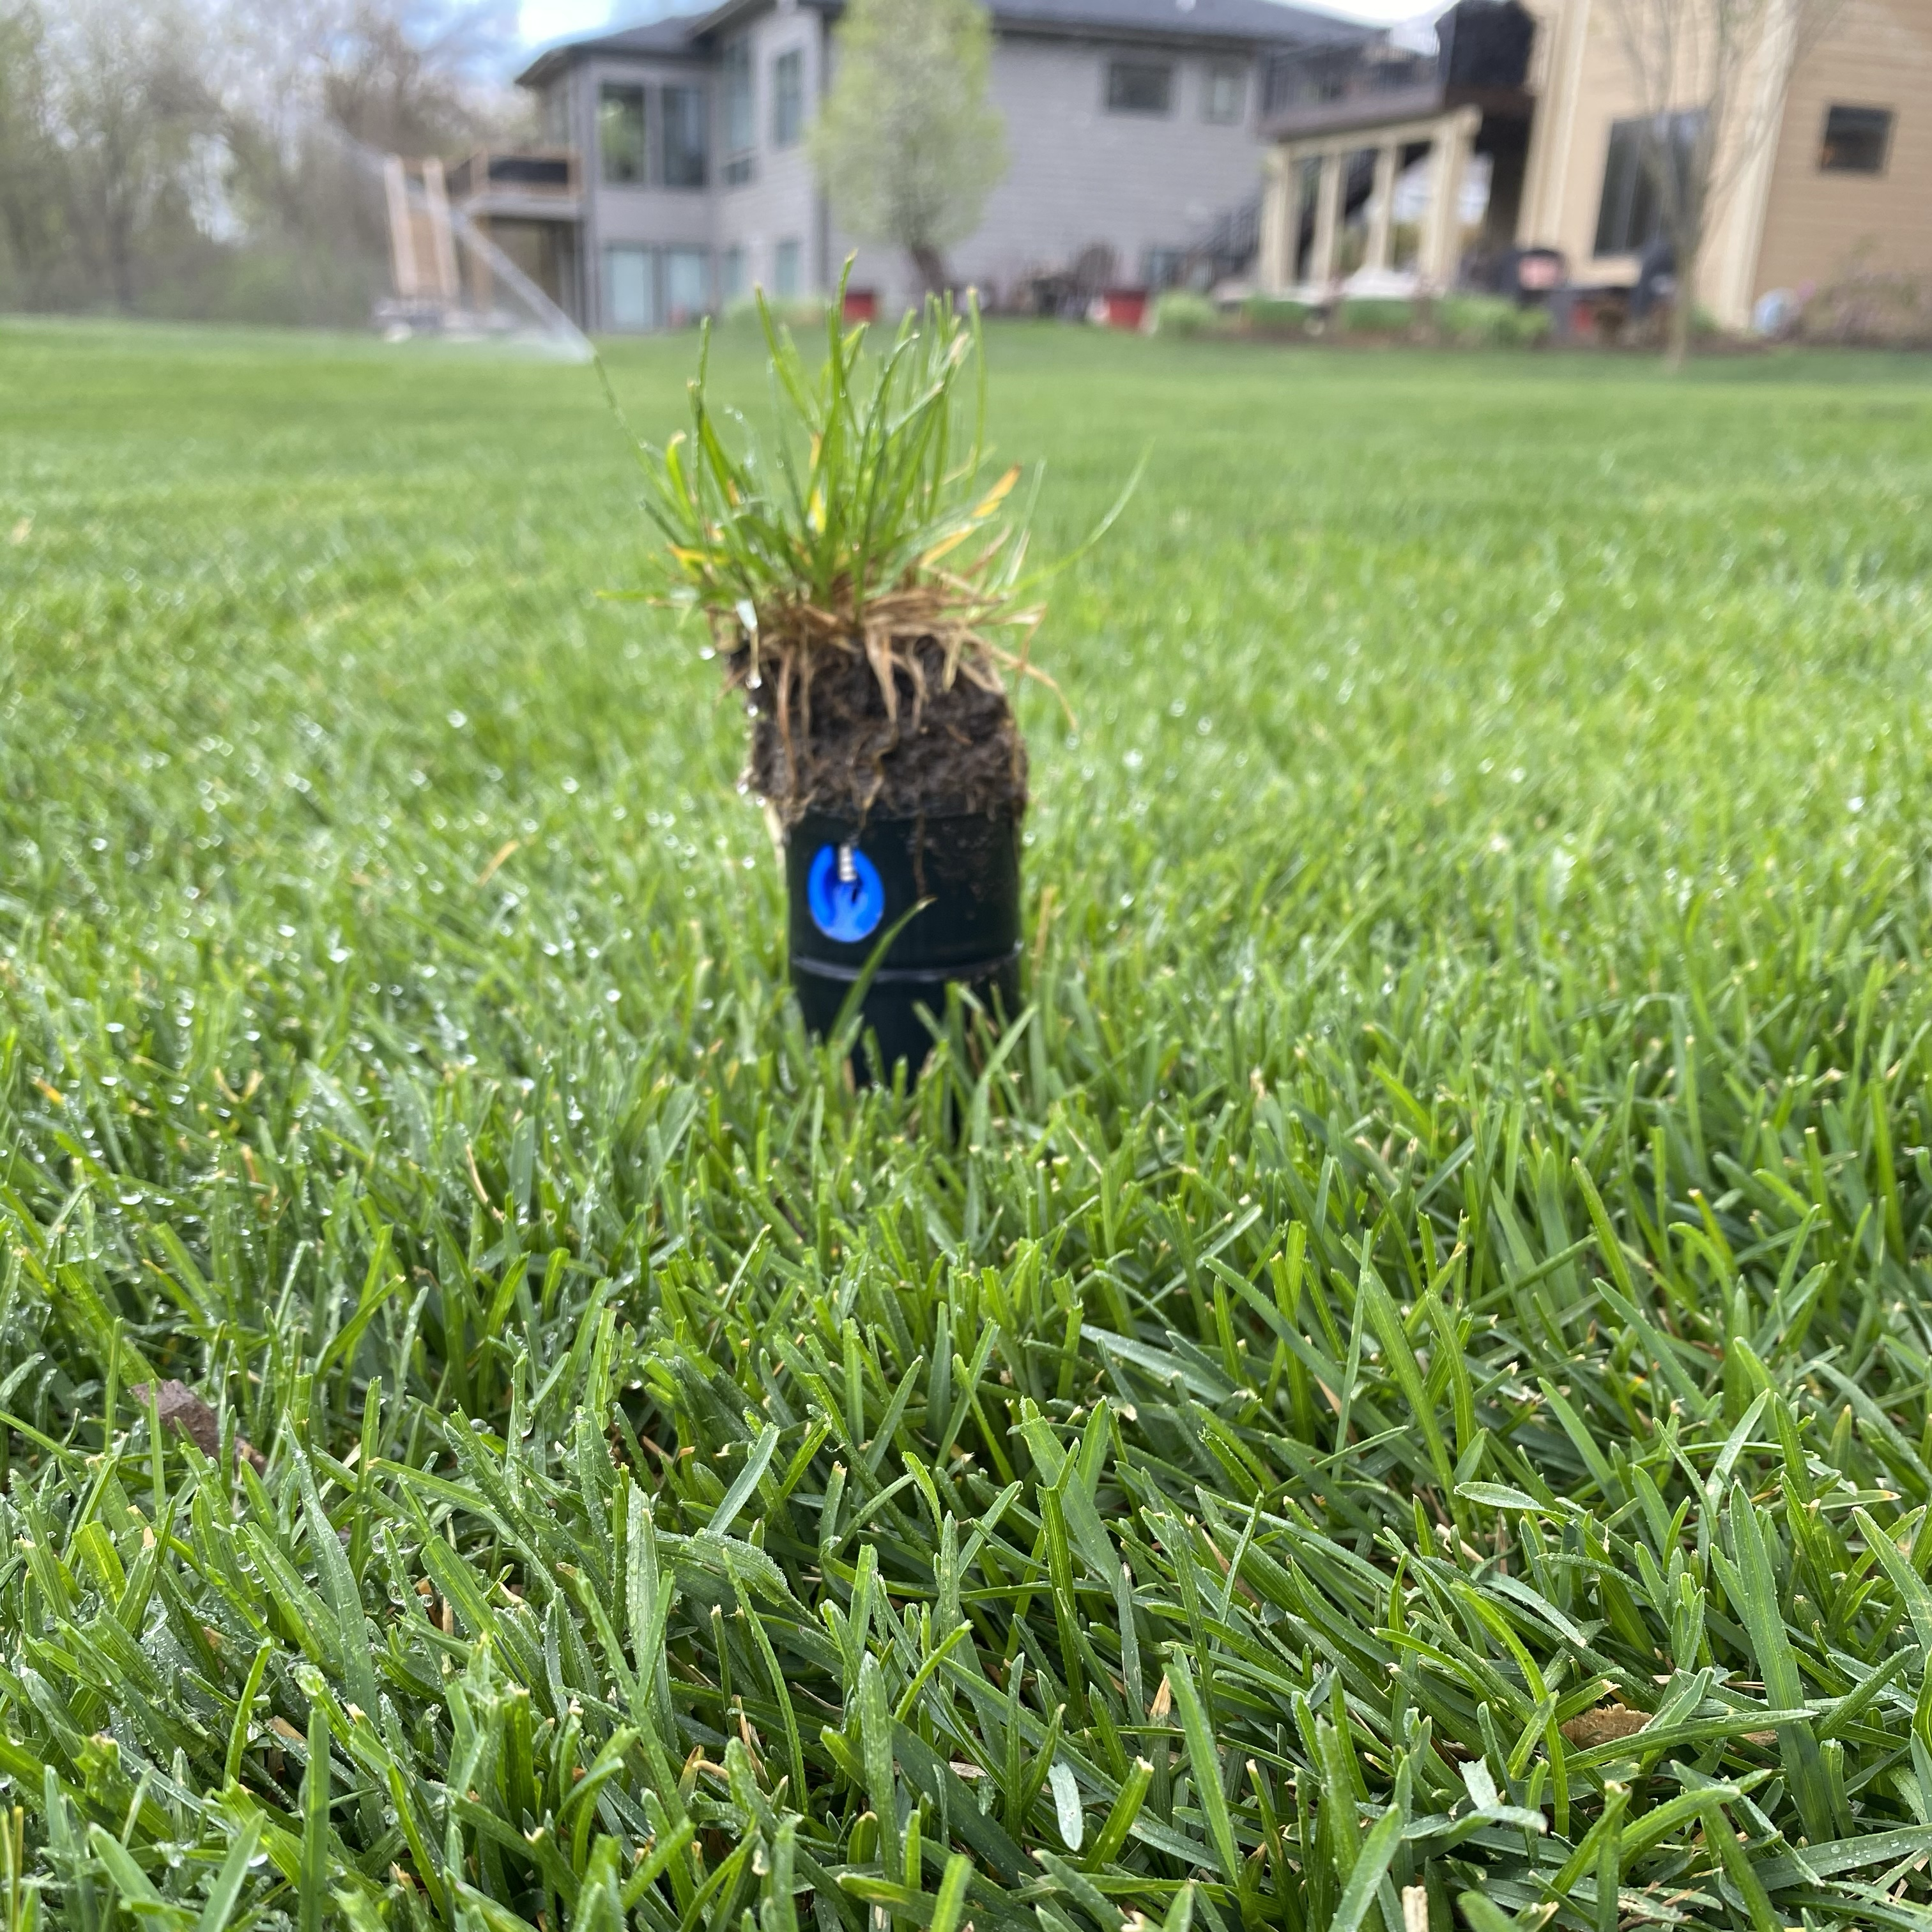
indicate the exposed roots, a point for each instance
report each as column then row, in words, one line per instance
column 904, row 712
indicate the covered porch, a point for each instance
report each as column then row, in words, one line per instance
column 1391, row 154
column 1314, row 181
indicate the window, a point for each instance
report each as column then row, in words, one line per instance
column 785, row 268
column 731, row 276
column 620, row 135
column 788, row 99
column 1225, row 96
column 687, row 137
column 1162, row 268
column 687, row 285
column 630, row 289
column 1856, row 140
column 557, row 114
column 1630, row 217
column 739, row 125
column 1139, row 87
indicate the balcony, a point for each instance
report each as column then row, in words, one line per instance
column 518, row 184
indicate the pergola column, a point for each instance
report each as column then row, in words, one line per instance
column 1278, row 213
column 1328, row 221
column 1448, row 161
column 1381, row 210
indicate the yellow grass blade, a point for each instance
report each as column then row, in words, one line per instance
column 997, row 495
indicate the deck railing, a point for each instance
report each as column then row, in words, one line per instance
column 529, row 173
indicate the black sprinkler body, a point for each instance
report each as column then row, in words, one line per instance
column 850, row 885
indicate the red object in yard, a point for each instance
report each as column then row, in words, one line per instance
column 861, row 304
column 1124, row 308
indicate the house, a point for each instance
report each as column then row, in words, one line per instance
column 1407, row 160
column 675, row 175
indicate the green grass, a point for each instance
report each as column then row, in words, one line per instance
column 1447, row 1250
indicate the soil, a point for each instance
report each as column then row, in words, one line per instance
column 950, row 751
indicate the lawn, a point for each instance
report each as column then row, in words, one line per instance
column 1402, row 1398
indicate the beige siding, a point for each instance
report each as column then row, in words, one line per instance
column 1588, row 87
column 1878, row 54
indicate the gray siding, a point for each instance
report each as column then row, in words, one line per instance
column 619, row 215
column 781, row 203
column 1078, row 174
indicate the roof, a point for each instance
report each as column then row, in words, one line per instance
column 673, row 39
column 1242, row 23
column 1249, row 21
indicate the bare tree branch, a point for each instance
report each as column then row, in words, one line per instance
column 1710, row 77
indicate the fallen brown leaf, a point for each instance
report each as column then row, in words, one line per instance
column 1604, row 1726
column 185, row 1412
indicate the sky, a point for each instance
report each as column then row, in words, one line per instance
column 543, row 20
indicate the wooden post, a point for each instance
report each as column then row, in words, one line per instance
column 1381, row 210
column 1441, row 234
column 402, row 267
column 1280, row 222
column 443, row 244
column 482, row 282
column 1328, row 221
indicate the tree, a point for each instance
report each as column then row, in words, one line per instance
column 33, row 189
column 132, row 110
column 1710, row 76
column 907, row 146
column 404, row 77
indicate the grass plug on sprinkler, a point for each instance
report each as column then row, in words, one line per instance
column 863, row 576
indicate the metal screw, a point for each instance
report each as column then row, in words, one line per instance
column 848, row 872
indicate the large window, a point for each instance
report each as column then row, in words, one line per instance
column 1630, row 217
column 788, row 99
column 620, row 135
column 630, row 289
column 787, row 280
column 687, row 285
column 1225, row 95
column 687, row 137
column 731, row 275
column 739, row 124
column 1139, row 87
column 1856, row 142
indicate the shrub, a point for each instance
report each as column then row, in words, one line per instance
column 1375, row 315
column 1276, row 315
column 1490, row 321
column 789, row 312
column 1181, row 312
column 1865, row 304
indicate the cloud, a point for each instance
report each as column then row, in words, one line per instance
column 540, row 20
